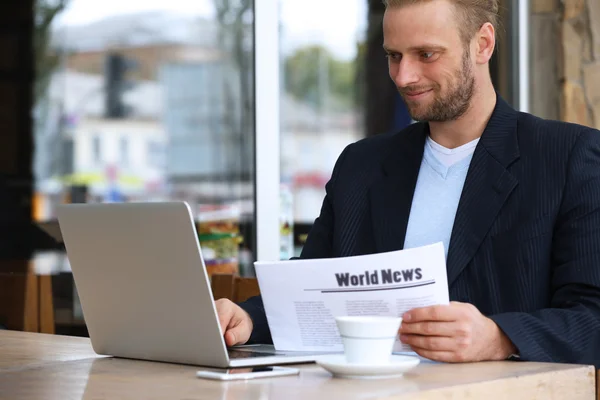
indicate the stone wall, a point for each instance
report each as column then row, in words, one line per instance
column 566, row 60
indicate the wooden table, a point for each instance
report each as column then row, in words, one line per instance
column 40, row 366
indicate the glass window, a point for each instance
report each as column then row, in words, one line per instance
column 321, row 110
column 156, row 154
column 144, row 101
column 96, row 150
column 124, row 151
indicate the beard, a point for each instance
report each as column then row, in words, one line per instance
column 447, row 106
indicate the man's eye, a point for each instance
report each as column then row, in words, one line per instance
column 393, row 56
column 427, row 55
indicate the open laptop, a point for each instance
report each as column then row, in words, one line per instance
column 143, row 286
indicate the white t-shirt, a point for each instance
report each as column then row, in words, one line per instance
column 449, row 157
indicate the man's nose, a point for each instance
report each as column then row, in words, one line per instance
column 406, row 74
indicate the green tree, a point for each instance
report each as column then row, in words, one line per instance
column 46, row 59
column 235, row 31
column 359, row 76
column 313, row 75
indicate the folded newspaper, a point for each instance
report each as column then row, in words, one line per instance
column 303, row 297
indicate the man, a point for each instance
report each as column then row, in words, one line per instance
column 515, row 199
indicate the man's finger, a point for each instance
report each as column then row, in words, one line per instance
column 432, row 313
column 442, row 356
column 225, row 313
column 235, row 323
column 230, row 338
column 238, row 334
column 434, row 343
column 429, row 328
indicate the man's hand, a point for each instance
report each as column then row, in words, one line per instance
column 235, row 322
column 457, row 332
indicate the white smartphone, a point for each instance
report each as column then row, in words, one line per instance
column 247, row 373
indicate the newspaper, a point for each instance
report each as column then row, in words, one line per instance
column 303, row 297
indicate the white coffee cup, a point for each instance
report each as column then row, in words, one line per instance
column 368, row 340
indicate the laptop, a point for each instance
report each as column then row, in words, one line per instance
column 144, row 290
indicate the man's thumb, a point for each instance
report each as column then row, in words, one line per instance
column 236, row 335
column 230, row 338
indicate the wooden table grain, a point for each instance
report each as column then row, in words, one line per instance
column 22, row 350
column 39, row 366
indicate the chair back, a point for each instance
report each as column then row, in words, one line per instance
column 234, row 288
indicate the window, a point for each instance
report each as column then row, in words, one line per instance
column 96, row 150
column 145, row 74
column 155, row 154
column 320, row 106
column 124, row 151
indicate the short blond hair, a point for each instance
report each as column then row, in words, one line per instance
column 472, row 14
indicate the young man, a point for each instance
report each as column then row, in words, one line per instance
column 515, row 199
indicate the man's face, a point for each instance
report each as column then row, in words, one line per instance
column 429, row 63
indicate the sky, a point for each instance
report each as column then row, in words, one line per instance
column 339, row 24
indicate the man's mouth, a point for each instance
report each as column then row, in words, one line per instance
column 417, row 93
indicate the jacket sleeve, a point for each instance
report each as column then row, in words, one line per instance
column 318, row 244
column 569, row 330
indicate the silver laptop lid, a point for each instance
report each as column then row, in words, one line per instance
column 141, row 280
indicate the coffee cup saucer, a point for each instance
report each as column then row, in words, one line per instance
column 339, row 367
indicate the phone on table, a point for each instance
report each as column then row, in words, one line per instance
column 247, row 373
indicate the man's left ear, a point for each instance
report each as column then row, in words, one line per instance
column 485, row 43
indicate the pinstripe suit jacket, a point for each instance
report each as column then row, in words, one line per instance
column 525, row 245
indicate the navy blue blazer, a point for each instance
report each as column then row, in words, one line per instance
column 525, row 246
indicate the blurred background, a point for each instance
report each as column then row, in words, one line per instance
column 153, row 100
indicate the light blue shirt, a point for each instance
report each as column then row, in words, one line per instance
column 437, row 193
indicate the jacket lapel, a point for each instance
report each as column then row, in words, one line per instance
column 487, row 186
column 391, row 197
